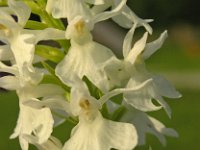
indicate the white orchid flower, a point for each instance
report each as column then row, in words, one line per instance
column 145, row 124
column 30, row 121
column 131, row 71
column 84, row 55
column 93, row 131
column 20, row 42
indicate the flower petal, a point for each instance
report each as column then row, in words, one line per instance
column 128, row 17
column 70, row 9
column 137, row 49
column 46, row 34
column 101, row 134
column 165, row 88
column 22, row 11
column 9, row 83
column 84, row 60
column 22, row 51
column 51, row 144
column 127, row 44
column 33, row 120
column 55, row 102
column 109, row 14
column 145, row 124
column 141, row 99
column 154, row 46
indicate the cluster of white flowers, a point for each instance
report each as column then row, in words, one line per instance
column 108, row 98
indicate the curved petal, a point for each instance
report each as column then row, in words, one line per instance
column 9, row 83
column 70, row 9
column 22, row 11
column 127, row 44
column 165, row 88
column 55, row 102
column 127, row 18
column 152, row 47
column 125, row 91
column 101, row 134
column 100, row 8
column 141, row 99
column 46, row 34
column 160, row 130
column 9, row 69
column 109, row 14
column 145, row 124
column 137, row 49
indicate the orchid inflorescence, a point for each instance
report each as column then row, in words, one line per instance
column 78, row 79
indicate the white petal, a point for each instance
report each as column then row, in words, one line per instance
column 128, row 17
column 109, row 14
column 70, row 9
column 39, row 122
column 10, row 69
column 22, row 51
column 117, row 72
column 137, row 49
column 101, row 134
column 127, row 44
column 152, row 47
column 126, row 91
column 46, row 34
column 165, row 88
column 100, row 8
column 49, row 6
column 22, row 11
column 51, row 144
column 84, row 60
column 161, row 130
column 141, row 99
column 145, row 124
column 5, row 53
column 55, row 102
column 9, row 82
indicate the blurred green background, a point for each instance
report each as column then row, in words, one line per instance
column 178, row 60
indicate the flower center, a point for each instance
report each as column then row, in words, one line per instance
column 6, row 31
column 85, row 104
column 80, row 26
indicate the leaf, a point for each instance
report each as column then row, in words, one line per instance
column 94, row 91
column 118, row 113
column 31, row 24
column 53, row 78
